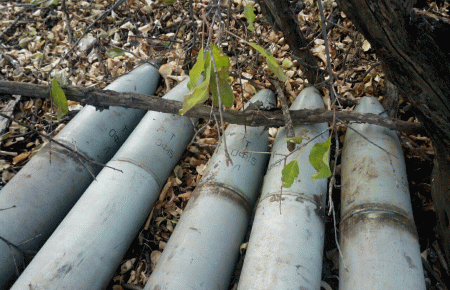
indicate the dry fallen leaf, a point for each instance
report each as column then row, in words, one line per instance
column 154, row 257
column 127, row 266
column 319, row 51
column 6, row 176
column 166, row 69
column 21, row 157
column 366, row 45
column 185, row 196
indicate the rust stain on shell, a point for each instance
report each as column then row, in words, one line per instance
column 63, row 154
column 221, row 191
column 374, row 217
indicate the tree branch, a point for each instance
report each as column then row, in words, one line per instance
column 250, row 117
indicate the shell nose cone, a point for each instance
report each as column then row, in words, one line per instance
column 309, row 98
column 370, row 105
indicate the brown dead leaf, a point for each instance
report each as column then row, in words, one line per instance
column 195, row 162
column 200, row 169
column 249, row 90
column 169, row 226
column 319, row 50
column 193, row 149
column 21, row 157
column 178, row 172
column 127, row 266
column 166, row 189
column 165, row 236
column 132, row 279
column 207, row 140
column 366, row 45
column 154, row 257
column 185, row 196
column 7, row 176
column 166, row 69
column 162, row 245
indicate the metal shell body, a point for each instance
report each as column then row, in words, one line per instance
column 203, row 249
column 379, row 243
column 88, row 245
column 286, row 242
column 53, row 180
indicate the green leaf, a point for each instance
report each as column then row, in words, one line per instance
column 32, row 31
column 226, row 92
column 23, row 42
column 37, row 56
column 297, row 139
column 114, row 52
column 170, row 2
column 199, row 94
column 319, row 159
column 289, row 173
column 59, row 99
column 271, row 62
column 159, row 220
column 250, row 15
column 49, row 3
column 222, row 60
column 287, row 63
column 196, row 71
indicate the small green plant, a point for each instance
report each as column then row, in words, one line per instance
column 250, row 15
column 289, row 173
column 114, row 52
column 170, row 2
column 271, row 62
column 59, row 99
column 318, row 158
column 204, row 65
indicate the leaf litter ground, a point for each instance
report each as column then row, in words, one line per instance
column 35, row 37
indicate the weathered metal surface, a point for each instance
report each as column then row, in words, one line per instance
column 379, row 243
column 203, row 249
column 286, row 241
column 50, row 184
column 88, row 245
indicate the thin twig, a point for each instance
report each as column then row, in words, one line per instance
column 374, row 144
column 289, row 126
column 1, row 209
column 15, row 246
column 11, row 25
column 327, row 51
column 203, row 128
column 67, row 21
column 227, row 155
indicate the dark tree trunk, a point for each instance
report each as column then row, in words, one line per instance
column 410, row 43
